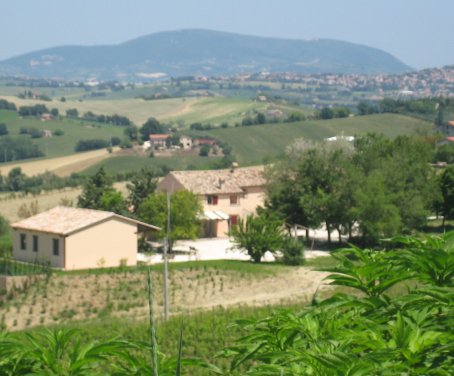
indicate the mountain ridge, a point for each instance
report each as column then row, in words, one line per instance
column 201, row 52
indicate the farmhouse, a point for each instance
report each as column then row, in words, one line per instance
column 158, row 140
column 186, row 142
column 227, row 195
column 74, row 238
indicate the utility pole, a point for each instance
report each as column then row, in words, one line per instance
column 166, row 266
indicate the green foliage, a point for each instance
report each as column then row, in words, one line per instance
column 447, row 191
column 72, row 113
column 374, row 331
column 141, row 186
column 99, row 194
column 257, row 235
column 17, row 148
column 292, row 252
column 383, row 185
column 204, row 150
column 152, row 126
column 94, row 144
column 185, row 210
column 3, row 129
column 374, row 210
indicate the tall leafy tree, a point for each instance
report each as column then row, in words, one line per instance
column 98, row 193
column 141, row 186
column 185, row 210
column 152, row 126
column 447, row 191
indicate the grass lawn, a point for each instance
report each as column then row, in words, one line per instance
column 254, row 144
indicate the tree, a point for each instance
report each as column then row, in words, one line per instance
column 93, row 191
column 16, row 179
column 112, row 200
column 142, row 185
column 292, row 252
column 204, row 150
column 152, row 126
column 3, row 129
column 72, row 113
column 258, row 234
column 132, row 133
column 447, row 191
column 326, row 113
column 260, row 118
column 54, row 112
column 378, row 217
column 185, row 210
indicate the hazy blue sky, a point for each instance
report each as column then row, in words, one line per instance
column 419, row 32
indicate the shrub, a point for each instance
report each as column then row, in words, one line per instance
column 3, row 129
column 292, row 252
column 59, row 132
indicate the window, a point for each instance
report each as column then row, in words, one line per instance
column 233, row 220
column 35, row 243
column 55, row 247
column 233, row 200
column 23, row 242
column 212, row 200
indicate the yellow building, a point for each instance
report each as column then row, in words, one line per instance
column 74, row 238
column 227, row 195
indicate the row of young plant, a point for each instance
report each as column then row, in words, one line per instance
column 392, row 314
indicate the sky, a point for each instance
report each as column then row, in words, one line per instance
column 418, row 32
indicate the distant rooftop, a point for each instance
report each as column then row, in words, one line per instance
column 64, row 220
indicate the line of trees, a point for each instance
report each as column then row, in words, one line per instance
column 94, row 144
column 385, row 186
column 16, row 148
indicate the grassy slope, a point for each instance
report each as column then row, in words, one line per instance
column 74, row 130
column 253, row 144
column 135, row 163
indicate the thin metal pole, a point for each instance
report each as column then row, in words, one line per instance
column 166, row 266
column 154, row 345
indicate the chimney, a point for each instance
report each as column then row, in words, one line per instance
column 234, row 166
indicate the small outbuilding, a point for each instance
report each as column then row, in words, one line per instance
column 74, row 238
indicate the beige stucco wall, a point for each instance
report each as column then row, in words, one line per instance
column 247, row 204
column 45, row 248
column 102, row 245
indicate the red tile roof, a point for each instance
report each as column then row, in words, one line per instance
column 157, row 137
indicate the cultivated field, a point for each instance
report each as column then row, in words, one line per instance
column 11, row 202
column 193, row 286
column 61, row 166
column 176, row 110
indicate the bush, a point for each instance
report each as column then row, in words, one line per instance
column 59, row 132
column 292, row 252
column 205, row 151
column 84, row 145
column 3, row 129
